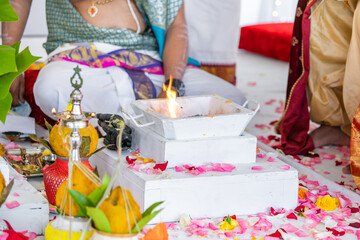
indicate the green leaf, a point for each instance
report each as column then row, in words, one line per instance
column 7, row 13
column 85, row 146
column 5, row 105
column 7, row 60
column 48, row 125
column 42, row 141
column 16, row 46
column 142, row 223
column 82, row 201
column 151, row 208
column 100, row 149
column 99, row 218
column 98, row 193
column 23, row 61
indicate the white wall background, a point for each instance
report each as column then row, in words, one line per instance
column 264, row 11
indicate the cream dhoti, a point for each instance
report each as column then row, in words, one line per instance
column 110, row 89
column 334, row 58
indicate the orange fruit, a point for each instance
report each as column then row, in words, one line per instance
column 81, row 183
column 59, row 139
column 118, row 213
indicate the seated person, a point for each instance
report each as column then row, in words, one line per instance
column 325, row 80
column 127, row 49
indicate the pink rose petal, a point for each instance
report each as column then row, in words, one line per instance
column 3, row 235
column 229, row 234
column 11, row 145
column 12, row 204
column 16, row 194
column 257, row 168
column 285, row 167
column 212, row 227
column 271, row 101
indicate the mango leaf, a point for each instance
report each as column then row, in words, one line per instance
column 142, row 223
column 48, row 125
column 99, row 218
column 85, row 146
column 82, row 201
column 151, row 208
column 7, row 59
column 100, row 149
column 5, row 105
column 98, row 193
column 7, row 13
column 42, row 141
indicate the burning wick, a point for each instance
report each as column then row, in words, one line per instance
column 53, row 111
column 93, row 114
column 171, row 99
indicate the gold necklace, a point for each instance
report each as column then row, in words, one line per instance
column 93, row 10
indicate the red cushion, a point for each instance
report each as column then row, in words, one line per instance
column 270, row 39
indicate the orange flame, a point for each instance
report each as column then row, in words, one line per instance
column 171, row 99
column 53, row 111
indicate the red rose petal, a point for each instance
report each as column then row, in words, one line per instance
column 276, row 234
column 355, row 225
column 130, row 160
column 335, row 232
column 354, row 210
column 161, row 166
column 292, row 216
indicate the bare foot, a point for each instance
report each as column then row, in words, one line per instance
column 325, row 135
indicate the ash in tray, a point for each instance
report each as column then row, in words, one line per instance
column 194, row 107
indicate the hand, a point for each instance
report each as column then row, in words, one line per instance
column 112, row 124
column 163, row 93
column 17, row 90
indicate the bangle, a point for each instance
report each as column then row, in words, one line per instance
column 178, row 85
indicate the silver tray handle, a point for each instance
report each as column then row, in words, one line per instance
column 133, row 119
column 256, row 103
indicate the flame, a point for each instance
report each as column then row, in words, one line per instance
column 171, row 99
column 53, row 111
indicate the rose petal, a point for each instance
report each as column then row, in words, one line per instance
column 292, row 216
column 212, row 227
column 130, row 160
column 161, row 166
column 257, row 168
column 3, row 235
column 11, row 205
column 285, row 167
column 16, row 194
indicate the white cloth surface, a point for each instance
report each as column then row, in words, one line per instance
column 108, row 90
column 213, row 29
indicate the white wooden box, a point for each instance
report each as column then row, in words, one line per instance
column 236, row 149
column 32, row 214
column 213, row 194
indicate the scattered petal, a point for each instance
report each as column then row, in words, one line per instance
column 12, row 204
column 161, row 166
